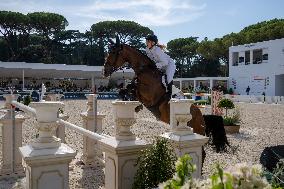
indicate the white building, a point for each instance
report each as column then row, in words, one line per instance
column 210, row 82
column 259, row 66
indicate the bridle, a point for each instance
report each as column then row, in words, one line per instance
column 117, row 52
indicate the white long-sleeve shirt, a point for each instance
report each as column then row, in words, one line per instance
column 161, row 59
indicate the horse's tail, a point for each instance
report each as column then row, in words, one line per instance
column 216, row 132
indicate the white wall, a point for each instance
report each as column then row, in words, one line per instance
column 255, row 75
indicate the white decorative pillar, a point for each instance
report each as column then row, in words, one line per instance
column 11, row 140
column 194, row 85
column 121, row 151
column 183, row 139
column 91, row 151
column 47, row 159
column 60, row 131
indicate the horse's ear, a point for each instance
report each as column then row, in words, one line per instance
column 117, row 42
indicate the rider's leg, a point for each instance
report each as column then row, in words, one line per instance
column 169, row 86
column 170, row 71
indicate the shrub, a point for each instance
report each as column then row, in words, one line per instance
column 240, row 176
column 184, row 170
column 155, row 165
column 27, row 100
column 234, row 119
column 276, row 177
column 227, row 104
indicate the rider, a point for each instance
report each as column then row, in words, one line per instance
column 163, row 61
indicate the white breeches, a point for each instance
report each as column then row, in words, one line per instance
column 170, row 71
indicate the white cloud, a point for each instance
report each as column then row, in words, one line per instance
column 82, row 15
column 146, row 12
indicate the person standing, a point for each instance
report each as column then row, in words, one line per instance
column 247, row 90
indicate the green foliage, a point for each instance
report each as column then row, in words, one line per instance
column 27, row 100
column 227, row 104
column 239, row 176
column 276, row 178
column 230, row 121
column 183, row 50
column 129, row 32
column 10, row 24
column 155, row 165
column 47, row 23
column 184, row 170
column 203, row 67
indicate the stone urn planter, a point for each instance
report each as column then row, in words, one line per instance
column 232, row 129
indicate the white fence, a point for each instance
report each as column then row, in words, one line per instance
column 46, row 158
column 256, row 99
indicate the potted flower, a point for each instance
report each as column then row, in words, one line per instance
column 231, row 122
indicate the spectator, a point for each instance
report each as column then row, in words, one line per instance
column 247, row 90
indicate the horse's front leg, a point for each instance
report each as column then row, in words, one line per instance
column 164, row 109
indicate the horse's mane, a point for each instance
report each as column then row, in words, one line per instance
column 152, row 64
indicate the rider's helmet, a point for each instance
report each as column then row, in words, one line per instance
column 153, row 38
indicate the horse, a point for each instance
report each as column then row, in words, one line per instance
column 149, row 89
column 148, row 84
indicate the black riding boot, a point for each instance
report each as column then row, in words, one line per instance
column 169, row 87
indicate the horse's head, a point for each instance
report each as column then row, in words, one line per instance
column 115, row 58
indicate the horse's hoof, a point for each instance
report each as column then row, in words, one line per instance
column 138, row 108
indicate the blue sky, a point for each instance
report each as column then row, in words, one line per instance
column 169, row 19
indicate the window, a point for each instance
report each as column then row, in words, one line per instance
column 241, row 59
column 247, row 57
column 235, row 58
column 265, row 57
column 257, row 56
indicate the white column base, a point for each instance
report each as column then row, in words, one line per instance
column 92, row 153
column 120, row 158
column 188, row 144
column 8, row 167
column 47, row 168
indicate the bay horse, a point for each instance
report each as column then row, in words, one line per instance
column 149, row 89
column 148, row 85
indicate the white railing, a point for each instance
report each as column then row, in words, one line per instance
column 24, row 107
column 81, row 130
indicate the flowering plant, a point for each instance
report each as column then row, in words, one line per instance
column 240, row 176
